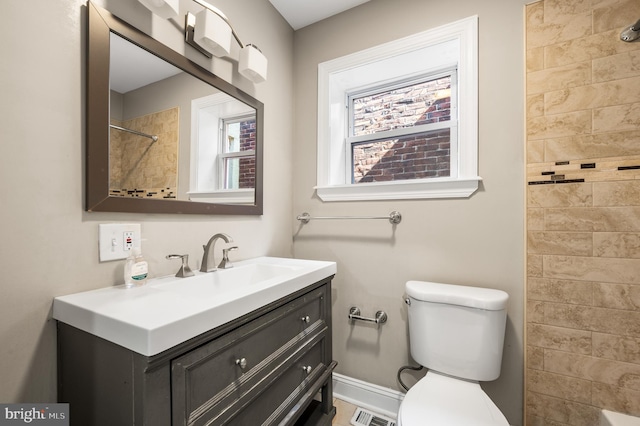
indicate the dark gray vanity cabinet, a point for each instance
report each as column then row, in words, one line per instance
column 270, row 367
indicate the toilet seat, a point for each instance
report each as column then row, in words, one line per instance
column 442, row 400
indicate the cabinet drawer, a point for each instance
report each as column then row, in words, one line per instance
column 217, row 373
column 270, row 406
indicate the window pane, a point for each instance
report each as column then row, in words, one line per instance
column 239, row 172
column 408, row 106
column 418, row 156
column 240, row 135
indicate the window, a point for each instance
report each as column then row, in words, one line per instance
column 237, row 161
column 402, row 131
column 399, row 121
column 223, row 151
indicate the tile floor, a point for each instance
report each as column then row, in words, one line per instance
column 344, row 412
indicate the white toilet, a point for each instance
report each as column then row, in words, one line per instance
column 457, row 332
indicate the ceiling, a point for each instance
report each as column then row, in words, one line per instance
column 132, row 67
column 300, row 13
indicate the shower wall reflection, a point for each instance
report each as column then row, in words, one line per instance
column 140, row 167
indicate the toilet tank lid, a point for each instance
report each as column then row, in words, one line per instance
column 473, row 297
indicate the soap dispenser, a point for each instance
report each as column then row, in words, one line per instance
column 136, row 269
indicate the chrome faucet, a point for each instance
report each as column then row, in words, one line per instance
column 208, row 261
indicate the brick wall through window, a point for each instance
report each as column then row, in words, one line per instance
column 247, row 174
column 420, row 155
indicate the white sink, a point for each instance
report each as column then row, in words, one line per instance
column 168, row 311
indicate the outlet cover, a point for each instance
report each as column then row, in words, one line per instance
column 112, row 240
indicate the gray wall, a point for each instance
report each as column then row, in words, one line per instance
column 50, row 245
column 476, row 241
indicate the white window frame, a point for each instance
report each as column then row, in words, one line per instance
column 453, row 45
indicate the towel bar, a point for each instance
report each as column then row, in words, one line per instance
column 394, row 217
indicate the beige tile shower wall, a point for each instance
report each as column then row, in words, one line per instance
column 115, row 154
column 583, row 211
column 138, row 163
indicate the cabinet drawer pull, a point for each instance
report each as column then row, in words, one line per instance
column 307, row 369
column 241, row 362
column 306, row 319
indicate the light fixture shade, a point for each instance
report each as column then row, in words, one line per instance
column 212, row 33
column 163, row 8
column 253, row 64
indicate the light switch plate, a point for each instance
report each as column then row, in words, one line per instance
column 112, row 240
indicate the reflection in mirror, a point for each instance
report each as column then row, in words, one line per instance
column 139, row 165
column 224, row 143
column 173, row 132
column 150, row 102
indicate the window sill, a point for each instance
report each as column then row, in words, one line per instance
column 230, row 196
column 401, row 190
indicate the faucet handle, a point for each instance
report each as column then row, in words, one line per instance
column 184, row 270
column 225, row 263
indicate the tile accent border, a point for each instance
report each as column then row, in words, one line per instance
column 593, row 170
column 167, row 193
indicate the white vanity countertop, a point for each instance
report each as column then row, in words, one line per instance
column 168, row 311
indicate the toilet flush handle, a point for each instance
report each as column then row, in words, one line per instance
column 408, row 301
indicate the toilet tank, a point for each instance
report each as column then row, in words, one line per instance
column 457, row 330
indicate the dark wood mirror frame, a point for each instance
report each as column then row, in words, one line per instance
column 101, row 24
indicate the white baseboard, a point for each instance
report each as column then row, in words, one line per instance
column 376, row 398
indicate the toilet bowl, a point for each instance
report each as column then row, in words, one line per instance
column 457, row 332
column 442, row 400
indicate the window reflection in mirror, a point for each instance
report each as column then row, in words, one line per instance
column 224, row 143
column 237, row 163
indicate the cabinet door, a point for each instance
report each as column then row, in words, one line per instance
column 212, row 381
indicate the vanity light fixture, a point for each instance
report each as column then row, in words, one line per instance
column 253, row 64
column 210, row 33
column 212, row 36
column 163, row 8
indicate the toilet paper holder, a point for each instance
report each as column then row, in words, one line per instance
column 355, row 315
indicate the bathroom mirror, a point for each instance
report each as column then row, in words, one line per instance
column 164, row 135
